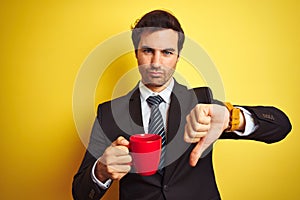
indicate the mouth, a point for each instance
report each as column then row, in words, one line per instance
column 155, row 73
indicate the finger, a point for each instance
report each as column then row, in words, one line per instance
column 194, row 130
column 112, row 153
column 123, row 159
column 118, row 169
column 197, row 129
column 120, row 141
column 191, row 136
column 201, row 114
column 196, row 153
column 117, row 176
column 121, row 150
column 117, row 160
column 118, row 172
column 196, row 125
column 193, row 140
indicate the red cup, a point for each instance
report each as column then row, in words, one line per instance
column 145, row 151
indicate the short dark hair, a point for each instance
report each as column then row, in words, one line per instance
column 154, row 21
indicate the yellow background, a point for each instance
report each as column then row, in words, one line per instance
column 254, row 45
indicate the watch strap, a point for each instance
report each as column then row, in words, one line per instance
column 234, row 117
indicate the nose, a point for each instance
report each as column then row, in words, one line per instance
column 155, row 61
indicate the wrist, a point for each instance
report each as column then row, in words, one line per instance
column 242, row 121
column 235, row 115
column 98, row 171
column 103, row 184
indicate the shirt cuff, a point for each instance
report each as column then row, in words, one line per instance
column 250, row 126
column 103, row 186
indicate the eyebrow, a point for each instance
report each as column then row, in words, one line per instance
column 167, row 49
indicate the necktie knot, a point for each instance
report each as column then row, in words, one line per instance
column 154, row 100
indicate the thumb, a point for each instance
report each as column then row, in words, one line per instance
column 120, row 141
column 196, row 153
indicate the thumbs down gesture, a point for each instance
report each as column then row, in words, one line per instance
column 204, row 125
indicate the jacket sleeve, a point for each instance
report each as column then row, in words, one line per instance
column 273, row 125
column 83, row 187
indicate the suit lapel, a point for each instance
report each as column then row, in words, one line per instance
column 181, row 103
column 135, row 112
column 173, row 118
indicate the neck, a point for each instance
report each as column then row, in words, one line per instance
column 158, row 88
column 155, row 88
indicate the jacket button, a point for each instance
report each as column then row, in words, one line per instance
column 165, row 188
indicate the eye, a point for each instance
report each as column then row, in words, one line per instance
column 147, row 50
column 166, row 52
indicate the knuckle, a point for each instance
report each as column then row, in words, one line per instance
column 128, row 168
column 186, row 138
column 115, row 176
column 202, row 134
column 196, row 126
column 120, row 138
column 201, row 106
column 192, row 132
column 109, row 150
column 129, row 158
column 110, row 170
column 187, row 118
column 189, row 132
column 109, row 160
column 123, row 149
column 120, row 176
column 194, row 140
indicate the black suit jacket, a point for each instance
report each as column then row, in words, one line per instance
column 122, row 116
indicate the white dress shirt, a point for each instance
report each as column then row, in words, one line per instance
column 163, row 106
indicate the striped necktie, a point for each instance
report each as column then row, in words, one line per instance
column 156, row 124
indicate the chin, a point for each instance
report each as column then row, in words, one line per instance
column 154, row 84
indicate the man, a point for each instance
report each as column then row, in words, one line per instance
column 192, row 122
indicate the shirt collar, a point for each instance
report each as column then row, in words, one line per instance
column 165, row 94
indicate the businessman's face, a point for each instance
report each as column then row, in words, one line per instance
column 157, row 57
